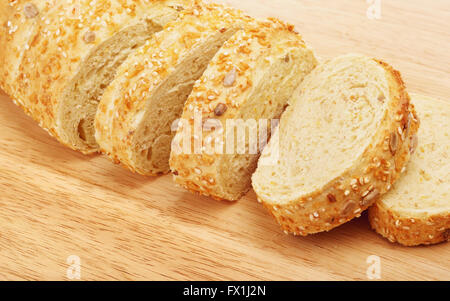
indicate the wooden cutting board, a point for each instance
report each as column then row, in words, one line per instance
column 55, row 203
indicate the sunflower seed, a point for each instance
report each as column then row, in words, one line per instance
column 230, row 78
column 30, row 10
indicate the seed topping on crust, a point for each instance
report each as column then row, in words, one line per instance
column 367, row 200
column 331, row 198
column 287, row 58
column 230, row 78
column 89, row 37
column 220, row 109
column 393, row 143
column 30, row 10
column 349, row 206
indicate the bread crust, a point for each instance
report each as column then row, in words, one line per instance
column 358, row 188
column 18, row 22
column 116, row 128
column 240, row 58
column 409, row 231
column 411, row 226
column 68, row 34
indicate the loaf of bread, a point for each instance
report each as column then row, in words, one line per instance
column 18, row 23
column 71, row 55
column 417, row 210
column 341, row 144
column 345, row 139
column 249, row 80
column 135, row 116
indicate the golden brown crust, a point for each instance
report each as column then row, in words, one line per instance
column 65, row 36
column 18, row 22
column 409, row 231
column 128, row 95
column 358, row 188
column 221, row 94
column 411, row 225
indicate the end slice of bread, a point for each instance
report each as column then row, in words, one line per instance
column 417, row 210
column 73, row 56
column 249, row 81
column 136, row 114
column 341, row 144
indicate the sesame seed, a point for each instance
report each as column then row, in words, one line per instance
column 361, row 181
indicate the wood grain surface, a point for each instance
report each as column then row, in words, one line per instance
column 55, row 203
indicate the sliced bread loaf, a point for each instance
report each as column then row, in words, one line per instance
column 134, row 120
column 18, row 23
column 341, row 144
column 73, row 57
column 249, row 80
column 417, row 210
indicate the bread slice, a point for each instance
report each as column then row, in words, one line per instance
column 134, row 120
column 417, row 210
column 341, row 144
column 73, row 57
column 18, row 22
column 250, row 79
